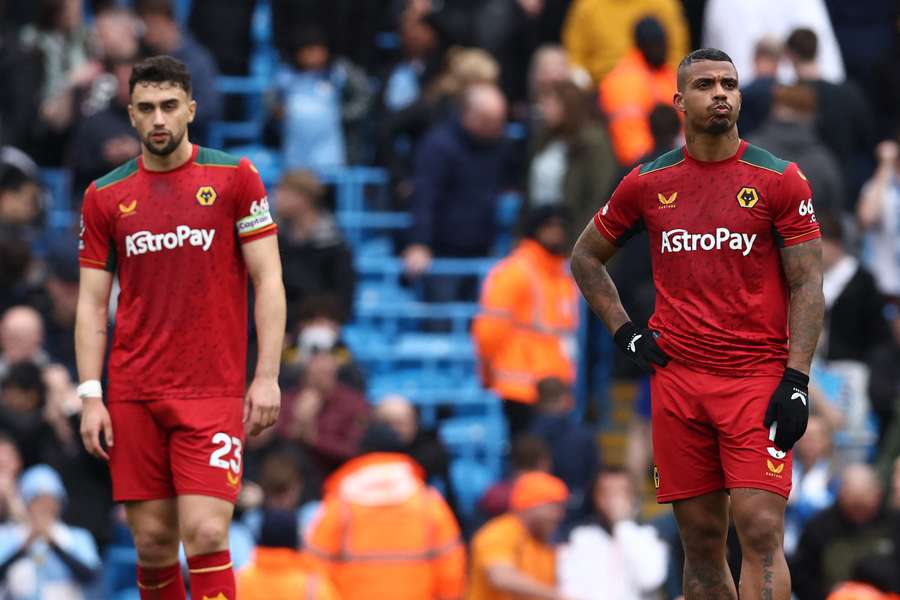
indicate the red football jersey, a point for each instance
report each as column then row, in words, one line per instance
column 715, row 230
column 173, row 239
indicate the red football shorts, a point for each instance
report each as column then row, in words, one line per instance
column 708, row 434
column 172, row 447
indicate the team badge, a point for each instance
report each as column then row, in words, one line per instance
column 206, row 195
column 127, row 209
column 747, row 197
column 667, row 200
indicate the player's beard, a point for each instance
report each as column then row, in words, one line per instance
column 719, row 126
column 174, row 141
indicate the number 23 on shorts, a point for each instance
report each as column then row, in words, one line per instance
column 225, row 445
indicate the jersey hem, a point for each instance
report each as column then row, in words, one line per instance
column 600, row 226
column 91, row 263
column 168, row 396
column 232, row 498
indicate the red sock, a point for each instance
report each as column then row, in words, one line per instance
column 161, row 583
column 212, row 577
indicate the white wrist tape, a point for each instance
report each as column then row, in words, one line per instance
column 90, row 389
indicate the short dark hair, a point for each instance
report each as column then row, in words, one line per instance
column 163, row 8
column 664, row 123
column 160, row 69
column 26, row 376
column 831, row 226
column 803, row 43
column 528, row 452
column 711, row 54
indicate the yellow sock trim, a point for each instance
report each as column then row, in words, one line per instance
column 212, row 569
column 157, row 586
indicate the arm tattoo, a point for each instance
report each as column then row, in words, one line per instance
column 598, row 289
column 802, row 265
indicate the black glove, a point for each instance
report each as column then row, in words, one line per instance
column 639, row 344
column 789, row 409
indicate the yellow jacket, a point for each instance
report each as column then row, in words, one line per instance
column 528, row 323
column 598, row 33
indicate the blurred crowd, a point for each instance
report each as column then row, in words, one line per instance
column 460, row 102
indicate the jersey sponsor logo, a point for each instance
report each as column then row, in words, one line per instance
column 259, row 217
column 206, row 195
column 667, row 201
column 681, row 240
column 142, row 242
column 747, row 197
column 128, row 209
column 774, row 469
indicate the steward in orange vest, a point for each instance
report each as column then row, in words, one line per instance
column 527, row 326
column 383, row 534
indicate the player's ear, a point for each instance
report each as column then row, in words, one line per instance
column 131, row 114
column 678, row 101
column 192, row 110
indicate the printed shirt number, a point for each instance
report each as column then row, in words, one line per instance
column 227, row 444
column 806, row 208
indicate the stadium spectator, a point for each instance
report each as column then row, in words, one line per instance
column 104, row 139
column 12, row 508
column 21, row 338
column 163, row 34
column 424, row 447
column 513, row 555
column 735, row 26
column 284, row 481
column 440, row 101
column 611, row 555
column 279, row 568
column 639, row 81
column 23, row 400
column 315, row 327
column 856, row 526
column 854, row 309
column 550, row 65
column 790, row 132
column 324, row 415
column 528, row 453
column 317, row 260
column 884, row 386
column 872, row 578
column 21, row 205
column 511, row 30
column 598, row 33
column 61, row 38
column 844, row 118
column 21, row 72
column 57, row 304
column 529, row 316
column 756, row 96
column 116, row 32
column 320, row 102
column 879, row 218
column 45, row 557
column 421, row 54
column 573, row 444
column 571, row 163
column 813, row 479
column 225, row 29
column 383, row 532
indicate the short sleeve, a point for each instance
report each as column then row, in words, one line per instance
column 620, row 218
column 496, row 547
column 792, row 210
column 253, row 219
column 96, row 248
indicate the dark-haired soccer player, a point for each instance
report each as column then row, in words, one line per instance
column 181, row 227
column 737, row 266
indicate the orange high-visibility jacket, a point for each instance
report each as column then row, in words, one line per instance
column 528, row 322
column 382, row 534
column 627, row 96
column 282, row 573
column 852, row 590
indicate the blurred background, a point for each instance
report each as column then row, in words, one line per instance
column 430, row 164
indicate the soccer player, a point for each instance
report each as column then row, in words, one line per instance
column 737, row 268
column 181, row 227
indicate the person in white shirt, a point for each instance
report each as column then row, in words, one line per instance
column 611, row 555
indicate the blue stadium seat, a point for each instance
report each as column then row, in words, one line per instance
column 266, row 161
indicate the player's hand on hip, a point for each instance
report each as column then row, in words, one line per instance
column 788, row 409
column 262, row 405
column 96, row 427
column 639, row 344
